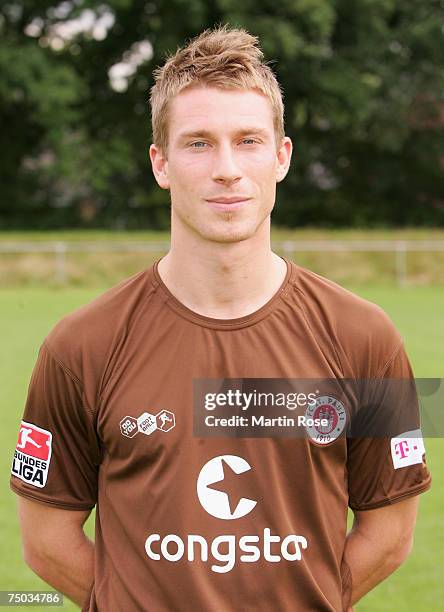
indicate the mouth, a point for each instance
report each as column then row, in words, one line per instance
column 228, row 204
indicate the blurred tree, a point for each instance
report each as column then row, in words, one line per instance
column 38, row 98
column 363, row 84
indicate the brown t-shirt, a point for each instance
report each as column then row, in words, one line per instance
column 224, row 523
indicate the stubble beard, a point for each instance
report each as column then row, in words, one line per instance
column 227, row 228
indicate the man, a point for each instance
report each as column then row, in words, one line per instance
column 188, row 522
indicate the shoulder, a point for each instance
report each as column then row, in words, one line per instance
column 363, row 334
column 85, row 340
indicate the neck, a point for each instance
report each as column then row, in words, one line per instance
column 223, row 280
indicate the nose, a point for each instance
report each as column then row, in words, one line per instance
column 226, row 168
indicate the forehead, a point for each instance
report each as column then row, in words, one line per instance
column 211, row 108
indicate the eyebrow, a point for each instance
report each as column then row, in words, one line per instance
column 208, row 134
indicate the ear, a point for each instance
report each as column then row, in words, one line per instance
column 283, row 159
column 159, row 164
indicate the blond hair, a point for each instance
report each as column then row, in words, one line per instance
column 228, row 58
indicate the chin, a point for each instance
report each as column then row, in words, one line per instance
column 228, row 235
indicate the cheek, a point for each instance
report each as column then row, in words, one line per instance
column 193, row 164
column 192, row 177
column 261, row 165
column 188, row 177
column 264, row 177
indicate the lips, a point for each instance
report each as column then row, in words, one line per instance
column 229, row 204
column 228, row 200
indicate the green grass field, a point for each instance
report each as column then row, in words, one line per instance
column 27, row 314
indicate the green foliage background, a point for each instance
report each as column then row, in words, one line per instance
column 363, row 83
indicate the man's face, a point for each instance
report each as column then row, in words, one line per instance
column 222, row 148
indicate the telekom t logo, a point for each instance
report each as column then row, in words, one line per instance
column 407, row 449
column 402, row 449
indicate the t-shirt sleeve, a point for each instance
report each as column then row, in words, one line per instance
column 57, row 453
column 389, row 465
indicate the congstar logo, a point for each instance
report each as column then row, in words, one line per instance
column 216, row 487
column 218, row 491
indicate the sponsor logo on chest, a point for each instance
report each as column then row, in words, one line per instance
column 147, row 423
column 219, row 485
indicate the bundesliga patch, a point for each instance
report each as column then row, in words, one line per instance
column 32, row 454
column 407, row 449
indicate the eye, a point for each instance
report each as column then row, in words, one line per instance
column 250, row 141
column 197, row 143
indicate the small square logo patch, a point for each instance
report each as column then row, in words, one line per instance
column 32, row 454
column 407, row 449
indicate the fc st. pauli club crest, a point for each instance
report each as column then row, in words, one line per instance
column 332, row 412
